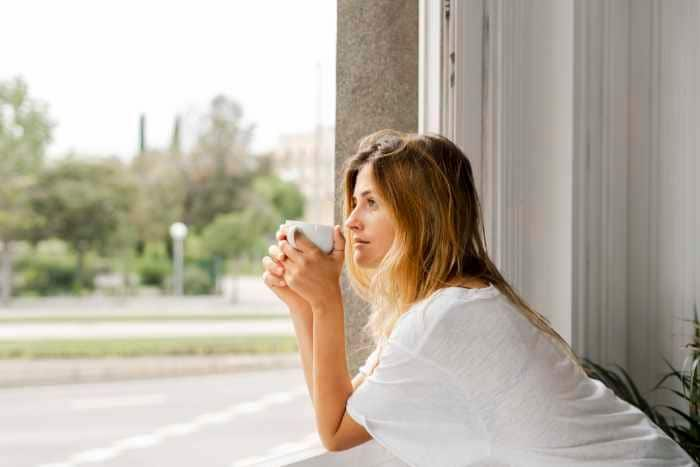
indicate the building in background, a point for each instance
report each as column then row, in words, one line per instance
column 307, row 160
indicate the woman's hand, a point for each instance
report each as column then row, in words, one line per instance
column 310, row 272
column 274, row 272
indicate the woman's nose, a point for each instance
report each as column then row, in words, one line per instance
column 351, row 222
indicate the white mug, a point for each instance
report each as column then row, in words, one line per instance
column 320, row 235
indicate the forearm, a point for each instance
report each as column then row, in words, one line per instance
column 303, row 328
column 332, row 385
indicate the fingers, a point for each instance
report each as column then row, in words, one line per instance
column 292, row 254
column 273, row 281
column 272, row 266
column 281, row 233
column 276, row 253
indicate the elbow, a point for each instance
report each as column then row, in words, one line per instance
column 335, row 448
column 330, row 444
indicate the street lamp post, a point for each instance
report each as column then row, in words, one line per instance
column 178, row 232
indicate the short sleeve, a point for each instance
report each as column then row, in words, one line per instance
column 409, row 406
column 369, row 364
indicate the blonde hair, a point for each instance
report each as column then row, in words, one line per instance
column 427, row 183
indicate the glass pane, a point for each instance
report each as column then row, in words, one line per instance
column 149, row 151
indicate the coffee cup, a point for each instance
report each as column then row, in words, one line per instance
column 320, row 235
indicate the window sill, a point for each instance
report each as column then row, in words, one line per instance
column 369, row 454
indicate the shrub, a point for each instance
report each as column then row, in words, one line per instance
column 153, row 270
column 49, row 275
column 197, row 281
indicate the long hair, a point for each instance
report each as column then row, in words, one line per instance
column 427, row 183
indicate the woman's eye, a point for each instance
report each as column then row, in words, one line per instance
column 371, row 202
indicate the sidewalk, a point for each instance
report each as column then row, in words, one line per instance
column 16, row 373
column 107, row 330
column 253, row 297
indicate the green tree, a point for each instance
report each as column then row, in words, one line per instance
column 159, row 197
column 25, row 132
column 243, row 233
column 218, row 170
column 224, row 142
column 284, row 196
column 85, row 203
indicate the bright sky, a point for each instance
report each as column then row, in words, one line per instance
column 100, row 64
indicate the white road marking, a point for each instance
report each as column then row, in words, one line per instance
column 280, row 450
column 94, row 455
column 170, row 431
column 119, row 401
column 136, row 442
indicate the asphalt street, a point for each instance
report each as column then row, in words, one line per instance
column 219, row 421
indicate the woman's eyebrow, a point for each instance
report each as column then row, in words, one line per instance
column 366, row 192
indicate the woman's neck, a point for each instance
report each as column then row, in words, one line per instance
column 468, row 283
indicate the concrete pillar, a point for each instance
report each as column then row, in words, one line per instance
column 377, row 87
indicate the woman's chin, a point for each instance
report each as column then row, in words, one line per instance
column 364, row 261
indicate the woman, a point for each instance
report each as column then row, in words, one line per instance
column 464, row 372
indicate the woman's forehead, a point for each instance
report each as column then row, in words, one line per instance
column 366, row 172
column 365, row 179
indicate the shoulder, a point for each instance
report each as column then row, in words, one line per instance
column 452, row 310
column 454, row 303
column 486, row 336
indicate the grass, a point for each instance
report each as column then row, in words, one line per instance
column 100, row 348
column 136, row 318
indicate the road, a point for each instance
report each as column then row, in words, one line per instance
column 220, row 420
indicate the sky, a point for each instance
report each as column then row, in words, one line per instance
column 98, row 65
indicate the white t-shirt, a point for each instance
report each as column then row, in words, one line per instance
column 466, row 380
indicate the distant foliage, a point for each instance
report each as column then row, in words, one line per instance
column 104, row 207
column 46, row 275
column 242, row 233
column 284, row 196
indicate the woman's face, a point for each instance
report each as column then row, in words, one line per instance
column 371, row 227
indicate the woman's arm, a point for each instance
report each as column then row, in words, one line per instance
column 315, row 276
column 349, row 433
column 303, row 328
column 332, row 385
